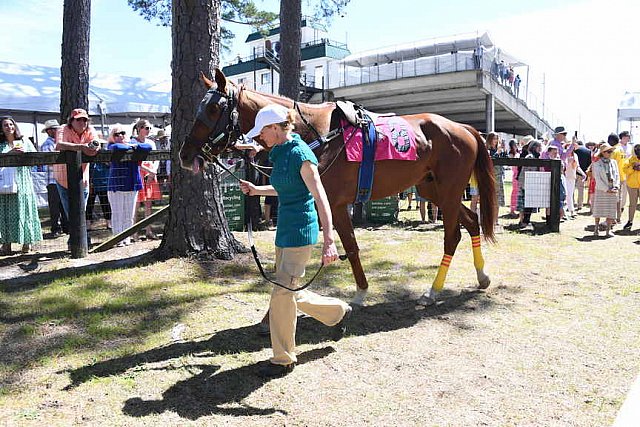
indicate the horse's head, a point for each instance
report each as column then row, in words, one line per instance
column 216, row 128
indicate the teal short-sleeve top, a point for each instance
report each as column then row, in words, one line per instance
column 297, row 216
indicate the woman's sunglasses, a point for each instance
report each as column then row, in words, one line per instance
column 123, row 133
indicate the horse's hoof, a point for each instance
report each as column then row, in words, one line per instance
column 358, row 300
column 484, row 282
column 426, row 301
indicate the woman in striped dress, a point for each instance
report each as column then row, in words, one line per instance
column 605, row 198
column 19, row 221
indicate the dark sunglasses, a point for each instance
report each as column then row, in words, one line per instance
column 147, row 128
column 123, row 133
column 82, row 119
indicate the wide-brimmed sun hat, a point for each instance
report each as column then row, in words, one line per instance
column 605, row 147
column 560, row 129
column 50, row 124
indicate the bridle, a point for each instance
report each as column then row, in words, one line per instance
column 227, row 124
column 231, row 127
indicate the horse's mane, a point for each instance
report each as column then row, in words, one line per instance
column 281, row 98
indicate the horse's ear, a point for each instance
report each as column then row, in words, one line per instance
column 208, row 83
column 221, row 80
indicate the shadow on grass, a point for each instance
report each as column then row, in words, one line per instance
column 207, row 392
column 214, row 393
column 35, row 279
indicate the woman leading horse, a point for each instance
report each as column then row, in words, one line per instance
column 447, row 154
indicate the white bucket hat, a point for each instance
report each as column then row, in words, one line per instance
column 269, row 115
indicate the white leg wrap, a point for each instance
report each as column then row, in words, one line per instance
column 483, row 280
column 359, row 298
column 428, row 299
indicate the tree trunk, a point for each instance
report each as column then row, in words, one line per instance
column 74, row 71
column 197, row 223
column 290, row 38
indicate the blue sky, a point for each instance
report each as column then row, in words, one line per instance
column 584, row 48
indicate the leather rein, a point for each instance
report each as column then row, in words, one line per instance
column 229, row 102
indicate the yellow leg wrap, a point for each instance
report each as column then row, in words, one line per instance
column 438, row 282
column 478, row 260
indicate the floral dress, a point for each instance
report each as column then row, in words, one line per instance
column 19, row 221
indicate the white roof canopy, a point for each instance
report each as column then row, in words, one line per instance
column 33, row 88
column 430, row 47
column 629, row 107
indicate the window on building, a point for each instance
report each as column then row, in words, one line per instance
column 265, row 78
column 242, row 80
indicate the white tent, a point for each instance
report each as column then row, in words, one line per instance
column 31, row 93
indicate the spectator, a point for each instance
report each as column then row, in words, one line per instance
column 552, row 154
column 57, row 216
column 503, row 71
column 607, row 178
column 514, row 153
column 495, row 148
column 252, row 173
column 19, row 221
column 584, row 160
column 511, row 77
column 163, row 142
column 571, row 173
column 477, row 57
column 124, row 183
column 516, row 85
column 76, row 135
column 632, row 172
column 150, row 188
column 474, row 192
column 296, row 181
column 98, row 186
column 591, row 183
column 534, row 149
column 558, row 141
column 620, row 154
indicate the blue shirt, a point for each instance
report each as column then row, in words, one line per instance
column 125, row 176
column 297, row 216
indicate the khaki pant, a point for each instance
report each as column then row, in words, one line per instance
column 580, row 184
column 290, row 267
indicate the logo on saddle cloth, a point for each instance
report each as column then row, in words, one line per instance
column 396, row 140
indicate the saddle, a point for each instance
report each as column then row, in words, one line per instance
column 353, row 113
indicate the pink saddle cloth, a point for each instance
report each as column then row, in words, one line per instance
column 396, row 140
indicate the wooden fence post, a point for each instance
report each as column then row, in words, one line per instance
column 77, row 225
column 553, row 221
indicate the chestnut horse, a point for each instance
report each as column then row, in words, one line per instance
column 448, row 152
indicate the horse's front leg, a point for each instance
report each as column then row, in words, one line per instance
column 344, row 227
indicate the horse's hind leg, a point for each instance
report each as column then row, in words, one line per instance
column 450, row 213
column 344, row 227
column 470, row 221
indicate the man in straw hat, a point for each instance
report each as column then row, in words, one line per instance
column 59, row 221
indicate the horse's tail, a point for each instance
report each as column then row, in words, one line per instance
column 483, row 169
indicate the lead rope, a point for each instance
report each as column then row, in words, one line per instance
column 254, row 251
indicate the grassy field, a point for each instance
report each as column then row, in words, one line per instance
column 553, row 341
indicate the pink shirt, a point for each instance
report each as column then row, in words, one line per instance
column 67, row 134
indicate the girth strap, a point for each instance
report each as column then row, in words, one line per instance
column 365, row 174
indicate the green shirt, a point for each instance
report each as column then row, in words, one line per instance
column 297, row 216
